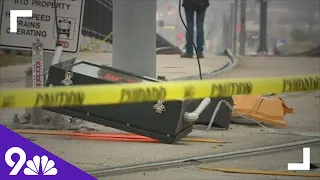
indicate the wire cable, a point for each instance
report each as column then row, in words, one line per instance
column 56, row 19
column 193, row 44
column 239, row 114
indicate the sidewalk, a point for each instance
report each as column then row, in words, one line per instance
column 274, row 66
column 171, row 66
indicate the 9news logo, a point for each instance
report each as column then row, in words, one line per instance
column 37, row 166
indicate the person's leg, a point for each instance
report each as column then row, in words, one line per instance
column 200, row 32
column 190, row 25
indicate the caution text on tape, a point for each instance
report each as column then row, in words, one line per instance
column 143, row 92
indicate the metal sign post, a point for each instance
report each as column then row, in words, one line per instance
column 39, row 34
column 37, row 118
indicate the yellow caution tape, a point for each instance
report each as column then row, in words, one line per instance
column 98, row 43
column 142, row 92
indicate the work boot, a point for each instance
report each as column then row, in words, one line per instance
column 201, row 56
column 186, row 55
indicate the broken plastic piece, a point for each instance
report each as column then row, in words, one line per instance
column 268, row 110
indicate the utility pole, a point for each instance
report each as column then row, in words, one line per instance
column 263, row 27
column 231, row 28
column 235, row 22
column 134, row 49
column 243, row 33
column 225, row 32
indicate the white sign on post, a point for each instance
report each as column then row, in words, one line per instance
column 42, row 24
column 37, row 62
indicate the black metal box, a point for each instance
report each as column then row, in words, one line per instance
column 166, row 125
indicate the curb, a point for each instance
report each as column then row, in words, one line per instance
column 233, row 63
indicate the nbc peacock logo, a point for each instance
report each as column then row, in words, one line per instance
column 47, row 166
column 37, row 166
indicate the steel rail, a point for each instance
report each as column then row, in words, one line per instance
column 201, row 159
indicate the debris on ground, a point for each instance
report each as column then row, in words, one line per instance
column 108, row 136
column 264, row 109
column 262, row 172
column 32, row 138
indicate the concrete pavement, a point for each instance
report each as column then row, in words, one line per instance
column 92, row 155
column 274, row 66
column 269, row 162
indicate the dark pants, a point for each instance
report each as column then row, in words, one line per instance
column 200, row 15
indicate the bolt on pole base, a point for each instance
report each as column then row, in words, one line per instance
column 37, row 118
column 46, row 120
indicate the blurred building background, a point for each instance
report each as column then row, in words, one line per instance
column 293, row 26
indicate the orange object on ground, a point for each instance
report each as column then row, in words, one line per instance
column 107, row 136
column 262, row 172
column 90, row 135
column 268, row 110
